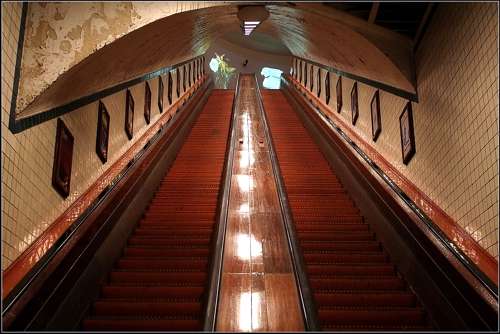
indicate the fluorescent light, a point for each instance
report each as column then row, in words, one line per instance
column 252, row 22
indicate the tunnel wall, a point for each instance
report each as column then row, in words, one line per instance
column 29, row 202
column 455, row 119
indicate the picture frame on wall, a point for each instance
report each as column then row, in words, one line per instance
column 160, row 94
column 189, row 75
column 129, row 115
column 194, row 72
column 339, row 94
column 63, row 159
column 169, row 89
column 199, row 68
column 354, row 103
column 327, row 87
column 319, row 82
column 300, row 71
column 407, row 133
column 311, row 75
column 102, row 137
column 178, row 82
column 305, row 75
column 147, row 103
column 296, row 69
column 184, row 78
column 375, row 113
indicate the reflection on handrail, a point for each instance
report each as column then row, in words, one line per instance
column 305, row 294
column 488, row 284
column 212, row 301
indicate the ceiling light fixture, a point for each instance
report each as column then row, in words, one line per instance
column 251, row 17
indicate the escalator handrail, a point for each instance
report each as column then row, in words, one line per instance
column 478, row 274
column 214, row 285
column 308, row 306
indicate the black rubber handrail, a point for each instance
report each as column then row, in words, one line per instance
column 212, row 301
column 307, row 303
column 486, row 282
column 32, row 275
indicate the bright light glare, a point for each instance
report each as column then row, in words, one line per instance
column 244, row 208
column 245, row 310
column 214, row 65
column 272, row 77
column 252, row 22
column 245, row 182
column 247, row 247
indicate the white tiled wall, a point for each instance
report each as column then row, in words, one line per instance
column 29, row 202
column 456, row 118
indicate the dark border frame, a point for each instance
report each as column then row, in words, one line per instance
column 198, row 69
column 184, row 78
column 178, row 82
column 305, row 75
column 311, row 75
column 319, row 82
column 338, row 90
column 129, row 115
column 194, row 72
column 407, row 110
column 299, row 69
column 327, row 87
column 147, row 103
column 63, row 153
column 160, row 94
column 354, row 103
column 169, row 88
column 102, row 150
column 376, row 131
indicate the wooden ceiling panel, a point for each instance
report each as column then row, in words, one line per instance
column 316, row 32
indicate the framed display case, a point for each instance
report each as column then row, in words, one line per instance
column 339, row 94
column 375, row 113
column 102, row 137
column 129, row 115
column 407, row 133
column 327, row 88
column 169, row 89
column 63, row 159
column 147, row 103
column 160, row 94
column 311, row 77
column 354, row 103
column 319, row 83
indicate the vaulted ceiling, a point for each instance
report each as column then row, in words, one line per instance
column 116, row 44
